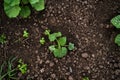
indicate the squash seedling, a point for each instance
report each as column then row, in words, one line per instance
column 60, row 49
column 25, row 34
column 13, row 8
column 22, row 66
column 42, row 40
column 116, row 22
column 2, row 38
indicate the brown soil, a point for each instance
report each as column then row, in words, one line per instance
column 86, row 23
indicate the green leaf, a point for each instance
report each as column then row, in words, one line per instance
column 25, row 34
column 47, row 32
column 42, row 40
column 14, row 2
column 2, row 38
column 116, row 21
column 33, row 1
column 62, row 41
column 39, row 5
column 7, row 1
column 25, row 1
column 22, row 66
column 52, row 37
column 11, row 12
column 71, row 46
column 52, row 48
column 117, row 39
column 25, row 11
column 61, row 52
column 58, row 34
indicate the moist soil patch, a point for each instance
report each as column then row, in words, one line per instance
column 86, row 23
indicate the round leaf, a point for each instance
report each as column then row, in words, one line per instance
column 25, row 12
column 52, row 37
column 61, row 52
column 71, row 46
column 116, row 21
column 117, row 39
column 39, row 5
column 62, row 41
column 33, row 1
column 14, row 2
column 52, row 48
column 12, row 12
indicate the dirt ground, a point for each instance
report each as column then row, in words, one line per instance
column 86, row 23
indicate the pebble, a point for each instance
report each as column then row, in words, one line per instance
column 53, row 76
column 84, row 55
column 51, row 64
column 70, row 78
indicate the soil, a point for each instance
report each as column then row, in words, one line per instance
column 86, row 23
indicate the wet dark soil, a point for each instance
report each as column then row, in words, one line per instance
column 86, row 23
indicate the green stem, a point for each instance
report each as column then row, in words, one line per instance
column 58, row 44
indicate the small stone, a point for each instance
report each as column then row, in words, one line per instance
column 53, row 76
column 42, row 70
column 51, row 64
column 84, row 55
column 70, row 78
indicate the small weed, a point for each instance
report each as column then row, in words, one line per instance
column 25, row 34
column 2, row 38
column 22, row 66
column 42, row 40
column 60, row 49
column 85, row 78
column 116, row 22
column 10, row 73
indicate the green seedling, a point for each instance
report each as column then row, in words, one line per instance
column 25, row 34
column 22, row 66
column 116, row 22
column 2, row 38
column 60, row 49
column 42, row 40
column 13, row 8
column 10, row 72
column 85, row 78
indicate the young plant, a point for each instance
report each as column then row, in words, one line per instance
column 60, row 49
column 13, row 8
column 25, row 34
column 2, row 38
column 42, row 40
column 9, row 72
column 116, row 22
column 22, row 66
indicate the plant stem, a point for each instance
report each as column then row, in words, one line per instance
column 58, row 44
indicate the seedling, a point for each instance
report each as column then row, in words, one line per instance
column 42, row 40
column 25, row 34
column 22, row 66
column 13, row 8
column 85, row 78
column 116, row 22
column 2, row 38
column 60, row 49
